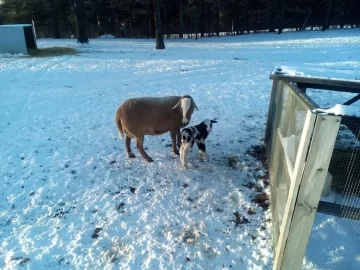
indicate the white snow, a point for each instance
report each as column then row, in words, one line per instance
column 340, row 109
column 64, row 171
column 14, row 25
column 107, row 36
column 333, row 71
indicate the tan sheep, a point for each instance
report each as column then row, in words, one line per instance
column 138, row 117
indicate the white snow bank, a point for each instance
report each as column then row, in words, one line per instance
column 107, row 36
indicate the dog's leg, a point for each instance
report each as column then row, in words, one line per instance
column 202, row 151
column 184, row 152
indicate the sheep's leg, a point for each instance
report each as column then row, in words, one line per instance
column 178, row 138
column 173, row 134
column 128, row 149
column 202, row 151
column 140, row 148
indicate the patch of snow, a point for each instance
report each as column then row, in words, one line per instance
column 107, row 36
column 9, row 55
column 340, row 109
column 14, row 25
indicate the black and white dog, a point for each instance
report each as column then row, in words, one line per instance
column 195, row 134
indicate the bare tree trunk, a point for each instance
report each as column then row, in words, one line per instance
column 98, row 17
column 152, row 20
column 181, row 19
column 217, row 21
column 247, row 21
column 158, row 25
column 165, row 24
column 202, row 18
column 237, row 24
column 256, row 21
column 78, row 9
column 98, row 23
column 113, row 24
column 196, row 28
column 209, row 19
column 54, row 19
column 282, row 10
column 272, row 18
column 326, row 22
column 230, row 19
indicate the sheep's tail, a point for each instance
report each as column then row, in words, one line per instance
column 119, row 126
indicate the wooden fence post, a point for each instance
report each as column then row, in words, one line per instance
column 294, row 187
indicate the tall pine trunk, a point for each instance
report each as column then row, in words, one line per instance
column 158, row 25
column 54, row 17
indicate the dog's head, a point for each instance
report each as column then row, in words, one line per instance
column 209, row 123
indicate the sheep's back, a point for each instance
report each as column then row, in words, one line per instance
column 149, row 115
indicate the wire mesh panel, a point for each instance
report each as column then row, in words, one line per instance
column 345, row 161
column 284, row 129
column 335, row 238
column 280, row 181
column 334, row 244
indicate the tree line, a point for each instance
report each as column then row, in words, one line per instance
column 175, row 18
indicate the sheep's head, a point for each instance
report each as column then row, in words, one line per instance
column 187, row 106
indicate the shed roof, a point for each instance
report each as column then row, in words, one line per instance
column 14, row 25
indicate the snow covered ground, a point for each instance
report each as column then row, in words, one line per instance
column 69, row 197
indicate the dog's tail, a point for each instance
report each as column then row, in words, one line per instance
column 119, row 126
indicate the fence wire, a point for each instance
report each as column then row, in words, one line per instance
column 333, row 244
column 335, row 238
column 289, row 124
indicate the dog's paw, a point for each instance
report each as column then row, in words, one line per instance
column 203, row 156
column 186, row 165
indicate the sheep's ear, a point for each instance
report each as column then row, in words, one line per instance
column 177, row 104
